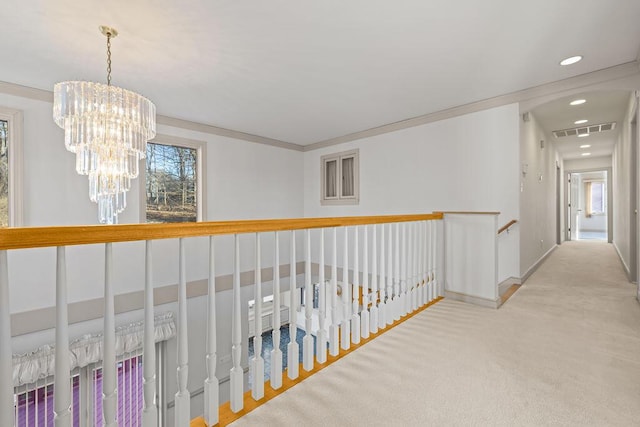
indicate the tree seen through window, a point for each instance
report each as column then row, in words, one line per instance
column 4, row 173
column 171, row 183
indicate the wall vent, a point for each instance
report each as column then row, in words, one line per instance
column 584, row 130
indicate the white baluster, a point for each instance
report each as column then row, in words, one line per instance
column 334, row 340
column 211, row 383
column 428, row 258
column 416, row 265
column 423, row 288
column 374, row 281
column 6, row 365
column 355, row 316
column 276, row 354
column 236, row 374
column 150, row 412
column 411, row 266
column 62, row 384
column 183, row 397
column 109, row 372
column 396, row 276
column 403, row 270
column 364, row 314
column 307, row 341
column 390, row 314
column 436, row 282
column 431, row 258
column 345, row 326
column 257, row 362
column 382, row 305
column 321, row 336
column 293, row 349
column 425, row 262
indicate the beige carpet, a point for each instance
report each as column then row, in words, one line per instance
column 564, row 351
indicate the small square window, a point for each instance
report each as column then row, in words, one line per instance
column 340, row 178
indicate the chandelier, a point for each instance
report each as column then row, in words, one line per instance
column 107, row 127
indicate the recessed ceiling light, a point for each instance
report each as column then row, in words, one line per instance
column 578, row 102
column 586, row 154
column 582, row 135
column 571, row 60
column 585, row 146
column 579, row 122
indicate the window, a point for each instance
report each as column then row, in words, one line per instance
column 340, row 178
column 10, row 167
column 174, row 180
column 596, row 197
column 34, row 403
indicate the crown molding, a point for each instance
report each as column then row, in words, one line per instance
column 580, row 81
column 47, row 96
column 214, row 130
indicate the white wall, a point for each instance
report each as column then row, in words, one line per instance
column 466, row 163
column 537, row 180
column 622, row 164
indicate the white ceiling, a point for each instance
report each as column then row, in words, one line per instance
column 601, row 107
column 307, row 71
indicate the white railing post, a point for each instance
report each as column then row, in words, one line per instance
column 416, row 266
column 436, row 281
column 425, row 262
column 345, row 326
column 276, row 354
column 211, row 383
column 396, row 276
column 236, row 374
column 389, row 315
column 182, row 398
column 382, row 305
column 364, row 313
column 355, row 316
column 62, row 380
column 334, row 340
column 403, row 271
column 373, row 328
column 410, row 282
column 150, row 411
column 293, row 349
column 257, row 362
column 307, row 341
column 421, row 294
column 321, row 336
column 6, row 365
column 109, row 372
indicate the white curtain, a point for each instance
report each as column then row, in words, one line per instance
column 347, row 177
column 331, row 173
column 40, row 363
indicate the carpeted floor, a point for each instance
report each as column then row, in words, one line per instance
column 564, row 351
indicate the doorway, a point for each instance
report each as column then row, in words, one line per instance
column 588, row 205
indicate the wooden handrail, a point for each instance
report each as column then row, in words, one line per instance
column 37, row 237
column 507, row 225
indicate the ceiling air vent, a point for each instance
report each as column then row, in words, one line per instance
column 584, row 130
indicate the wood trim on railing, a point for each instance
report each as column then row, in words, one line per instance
column 507, row 225
column 37, row 237
column 466, row 213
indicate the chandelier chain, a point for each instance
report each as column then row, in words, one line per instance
column 108, row 59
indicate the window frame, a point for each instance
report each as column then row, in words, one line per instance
column 201, row 181
column 589, row 203
column 15, row 121
column 340, row 199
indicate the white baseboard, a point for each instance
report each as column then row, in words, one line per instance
column 627, row 271
column 537, row 264
column 484, row 302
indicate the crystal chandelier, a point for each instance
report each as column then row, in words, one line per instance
column 107, row 127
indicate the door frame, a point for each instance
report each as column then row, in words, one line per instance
column 609, row 200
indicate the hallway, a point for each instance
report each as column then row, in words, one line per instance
column 564, row 350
